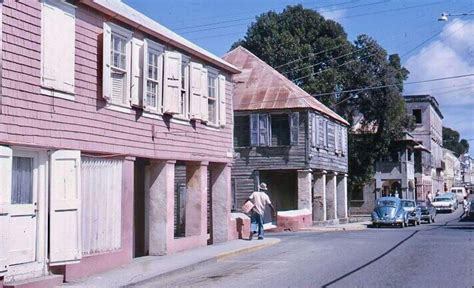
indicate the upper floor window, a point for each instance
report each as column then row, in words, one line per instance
column 266, row 129
column 417, row 114
column 212, row 97
column 116, row 64
column 153, row 76
column 58, row 53
column 184, row 95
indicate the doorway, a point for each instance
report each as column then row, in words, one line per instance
column 140, row 209
column 282, row 190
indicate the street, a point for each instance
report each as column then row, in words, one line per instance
column 430, row 255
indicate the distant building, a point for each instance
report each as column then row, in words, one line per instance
column 452, row 171
column 286, row 138
column 467, row 170
column 428, row 132
column 394, row 174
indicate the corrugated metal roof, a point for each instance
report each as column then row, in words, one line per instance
column 260, row 87
column 123, row 12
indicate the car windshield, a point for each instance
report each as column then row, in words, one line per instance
column 387, row 203
column 441, row 199
column 408, row 204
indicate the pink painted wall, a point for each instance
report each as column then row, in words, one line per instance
column 30, row 118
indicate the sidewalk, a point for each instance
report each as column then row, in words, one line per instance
column 151, row 267
column 339, row 227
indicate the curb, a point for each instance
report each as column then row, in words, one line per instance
column 236, row 252
column 218, row 257
column 334, row 229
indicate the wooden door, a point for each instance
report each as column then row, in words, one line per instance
column 23, row 208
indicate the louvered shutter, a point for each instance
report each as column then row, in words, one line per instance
column 196, row 90
column 204, row 96
column 294, row 127
column 172, row 82
column 65, row 207
column 312, row 118
column 336, row 138
column 106, row 65
column 318, row 131
column 5, row 198
column 254, row 129
column 263, row 130
column 136, row 93
column 344, row 145
column 222, row 101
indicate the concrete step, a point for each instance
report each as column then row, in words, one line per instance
column 47, row 281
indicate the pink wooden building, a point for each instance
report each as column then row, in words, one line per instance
column 115, row 140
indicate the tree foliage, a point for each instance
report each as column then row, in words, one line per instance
column 451, row 141
column 331, row 63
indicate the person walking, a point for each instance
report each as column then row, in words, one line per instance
column 429, row 197
column 260, row 200
column 465, row 208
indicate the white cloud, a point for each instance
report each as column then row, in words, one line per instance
column 335, row 15
column 452, row 54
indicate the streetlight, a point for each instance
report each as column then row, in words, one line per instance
column 444, row 16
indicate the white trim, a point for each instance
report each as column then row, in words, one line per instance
column 119, row 108
column 57, row 93
column 120, row 30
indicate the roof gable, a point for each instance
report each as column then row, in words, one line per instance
column 260, row 87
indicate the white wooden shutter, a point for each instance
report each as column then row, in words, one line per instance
column 5, row 198
column 204, row 96
column 106, row 58
column 58, row 19
column 172, row 82
column 136, row 93
column 196, row 90
column 65, row 207
column 222, row 102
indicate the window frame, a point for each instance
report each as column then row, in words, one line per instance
column 127, row 35
column 214, row 75
column 186, row 68
column 157, row 50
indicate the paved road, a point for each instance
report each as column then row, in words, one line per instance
column 430, row 255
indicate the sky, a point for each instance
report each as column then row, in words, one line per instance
column 429, row 49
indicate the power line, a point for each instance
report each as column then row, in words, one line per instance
column 344, row 17
column 251, row 18
column 192, row 28
column 367, row 88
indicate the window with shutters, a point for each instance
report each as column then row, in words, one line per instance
column 58, row 55
column 242, row 131
column 184, row 95
column 153, row 76
column 280, row 130
column 212, row 97
column 266, row 130
column 116, row 80
column 118, row 74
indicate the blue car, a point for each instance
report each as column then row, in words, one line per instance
column 389, row 211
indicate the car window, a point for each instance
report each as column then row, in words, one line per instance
column 441, row 199
column 386, row 203
column 408, row 204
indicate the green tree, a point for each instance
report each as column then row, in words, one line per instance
column 331, row 63
column 451, row 141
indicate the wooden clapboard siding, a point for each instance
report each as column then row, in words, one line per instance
column 301, row 156
column 30, row 118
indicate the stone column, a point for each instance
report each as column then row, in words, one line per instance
column 331, row 196
column 319, row 196
column 127, row 205
column 342, row 196
column 196, row 198
column 161, row 206
column 304, row 189
column 221, row 202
